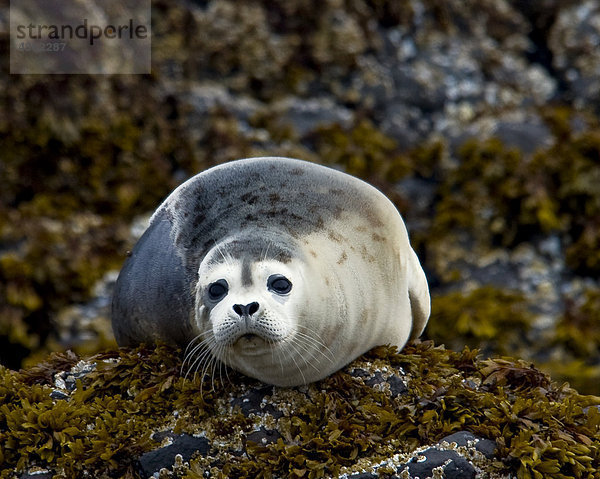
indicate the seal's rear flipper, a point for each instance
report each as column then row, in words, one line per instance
column 418, row 294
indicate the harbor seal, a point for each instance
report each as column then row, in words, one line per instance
column 282, row 269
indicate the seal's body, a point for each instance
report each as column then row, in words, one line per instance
column 282, row 269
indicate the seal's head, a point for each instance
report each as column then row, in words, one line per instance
column 250, row 302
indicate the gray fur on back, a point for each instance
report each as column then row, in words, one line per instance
column 292, row 196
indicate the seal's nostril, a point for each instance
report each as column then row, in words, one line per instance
column 252, row 308
column 247, row 310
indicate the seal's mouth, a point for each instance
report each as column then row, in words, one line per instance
column 249, row 337
column 252, row 338
column 250, row 344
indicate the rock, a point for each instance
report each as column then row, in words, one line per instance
column 527, row 136
column 263, row 436
column 254, row 402
column 450, row 463
column 183, row 445
column 37, row 474
column 304, row 116
column 464, row 438
column 390, row 382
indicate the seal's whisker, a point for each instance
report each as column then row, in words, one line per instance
column 222, row 366
column 293, row 346
column 227, row 367
column 230, row 258
column 279, row 355
column 202, row 377
column 209, row 371
column 312, row 350
column 213, row 368
column 280, row 352
column 202, row 357
column 188, row 357
column 314, row 359
column 195, row 339
column 272, row 348
column 208, row 366
column 266, row 251
column 197, row 364
column 297, row 341
column 226, row 256
column 199, row 347
column 196, row 356
column 218, row 361
column 189, row 360
column 316, row 341
column 317, row 346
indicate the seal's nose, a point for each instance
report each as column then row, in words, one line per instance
column 247, row 310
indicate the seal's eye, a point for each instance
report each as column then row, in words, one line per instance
column 279, row 284
column 218, row 290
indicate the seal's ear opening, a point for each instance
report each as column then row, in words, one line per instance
column 418, row 294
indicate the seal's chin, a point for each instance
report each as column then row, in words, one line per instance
column 250, row 344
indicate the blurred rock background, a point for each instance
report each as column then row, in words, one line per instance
column 479, row 119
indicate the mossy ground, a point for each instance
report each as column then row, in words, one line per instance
column 541, row 429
